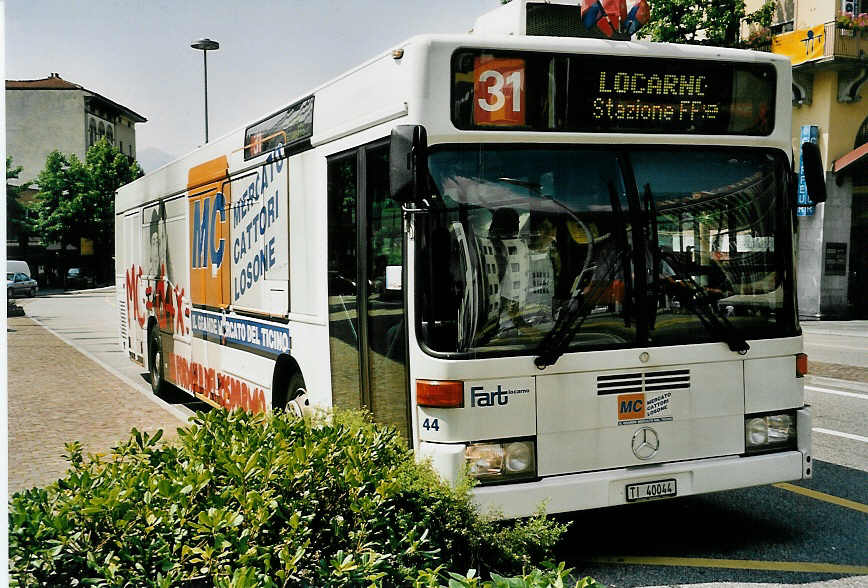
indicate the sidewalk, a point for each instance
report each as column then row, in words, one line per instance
column 57, row 395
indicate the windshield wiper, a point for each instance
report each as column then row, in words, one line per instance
column 639, row 249
column 697, row 301
column 572, row 314
column 699, row 304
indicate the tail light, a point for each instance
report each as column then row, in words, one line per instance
column 801, row 365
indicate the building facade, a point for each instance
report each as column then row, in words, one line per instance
column 827, row 42
column 49, row 114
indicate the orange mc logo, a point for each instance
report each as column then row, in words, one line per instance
column 631, row 406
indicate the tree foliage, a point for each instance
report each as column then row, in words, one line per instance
column 76, row 198
column 17, row 221
column 704, row 23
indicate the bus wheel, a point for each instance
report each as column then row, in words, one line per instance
column 297, row 402
column 155, row 352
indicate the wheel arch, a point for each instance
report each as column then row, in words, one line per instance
column 152, row 326
column 284, row 368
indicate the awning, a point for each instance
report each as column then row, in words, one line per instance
column 855, row 160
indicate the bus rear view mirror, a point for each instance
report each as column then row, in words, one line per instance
column 408, row 162
column 812, row 163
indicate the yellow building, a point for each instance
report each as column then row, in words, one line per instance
column 828, row 45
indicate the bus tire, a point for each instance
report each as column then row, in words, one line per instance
column 297, row 402
column 155, row 363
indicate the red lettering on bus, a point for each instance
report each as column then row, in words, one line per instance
column 159, row 299
column 179, row 318
column 223, row 389
column 133, row 279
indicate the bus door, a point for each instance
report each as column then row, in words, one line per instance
column 367, row 341
column 133, row 313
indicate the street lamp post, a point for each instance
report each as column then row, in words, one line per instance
column 205, row 45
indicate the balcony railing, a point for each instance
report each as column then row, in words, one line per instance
column 806, row 46
column 847, row 43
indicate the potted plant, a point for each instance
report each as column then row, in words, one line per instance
column 851, row 25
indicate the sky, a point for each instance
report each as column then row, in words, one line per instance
column 137, row 53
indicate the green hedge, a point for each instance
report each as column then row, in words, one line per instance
column 266, row 500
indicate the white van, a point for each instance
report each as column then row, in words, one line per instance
column 17, row 267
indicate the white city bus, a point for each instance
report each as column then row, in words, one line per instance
column 526, row 253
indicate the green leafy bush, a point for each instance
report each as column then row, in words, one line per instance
column 265, row 500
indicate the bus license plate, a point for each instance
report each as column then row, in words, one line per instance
column 651, row 490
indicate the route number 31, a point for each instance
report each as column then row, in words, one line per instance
column 499, row 92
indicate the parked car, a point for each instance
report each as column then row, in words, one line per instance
column 18, row 283
column 77, row 277
column 16, row 266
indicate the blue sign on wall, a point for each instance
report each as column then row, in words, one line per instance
column 810, row 133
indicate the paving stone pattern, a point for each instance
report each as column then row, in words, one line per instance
column 56, row 395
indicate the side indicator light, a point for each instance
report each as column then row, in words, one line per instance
column 801, row 365
column 440, row 393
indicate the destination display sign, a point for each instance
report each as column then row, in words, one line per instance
column 286, row 128
column 611, row 94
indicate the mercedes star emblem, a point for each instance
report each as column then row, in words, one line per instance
column 645, row 443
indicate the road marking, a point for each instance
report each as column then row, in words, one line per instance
column 850, row 436
column 838, row 392
column 823, row 496
column 738, row 564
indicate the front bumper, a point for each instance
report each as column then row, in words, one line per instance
column 608, row 488
column 598, row 489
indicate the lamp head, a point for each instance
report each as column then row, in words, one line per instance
column 205, row 44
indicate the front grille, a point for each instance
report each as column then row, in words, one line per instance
column 643, row 382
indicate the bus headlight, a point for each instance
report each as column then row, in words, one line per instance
column 769, row 432
column 494, row 462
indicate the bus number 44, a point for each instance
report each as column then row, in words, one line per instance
column 430, row 424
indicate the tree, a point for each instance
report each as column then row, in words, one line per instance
column 76, row 199
column 109, row 169
column 704, row 23
column 18, row 222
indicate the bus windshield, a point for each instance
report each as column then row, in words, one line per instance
column 615, row 247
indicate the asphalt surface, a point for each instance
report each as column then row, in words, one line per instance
column 841, row 342
column 753, row 525
column 816, row 537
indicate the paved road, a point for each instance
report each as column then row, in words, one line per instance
column 840, row 421
column 842, row 342
column 818, row 525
